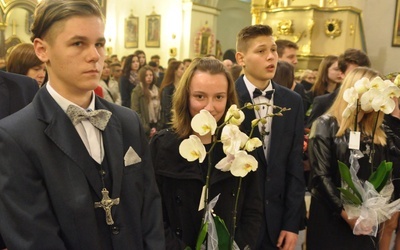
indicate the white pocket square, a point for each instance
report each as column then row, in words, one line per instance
column 131, row 157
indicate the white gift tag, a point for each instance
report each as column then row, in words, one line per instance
column 203, row 194
column 354, row 142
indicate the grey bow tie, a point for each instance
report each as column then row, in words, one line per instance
column 99, row 118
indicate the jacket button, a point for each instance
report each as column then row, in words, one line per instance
column 266, row 202
column 178, row 231
column 115, row 230
column 178, row 199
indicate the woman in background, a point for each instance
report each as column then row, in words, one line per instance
column 145, row 100
column 142, row 57
column 328, row 80
column 129, row 79
column 170, row 82
column 110, row 86
column 23, row 60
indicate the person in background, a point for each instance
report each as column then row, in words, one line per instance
column 287, row 51
column 328, row 80
column 347, row 61
column 110, row 86
column 328, row 225
column 129, row 79
column 156, row 59
column 142, row 57
column 206, row 84
column 186, row 62
column 23, row 60
column 114, row 59
column 16, row 91
column 157, row 73
column 236, row 71
column 280, row 168
column 308, row 78
column 170, row 82
column 227, row 63
column 67, row 181
column 116, row 71
column 146, row 101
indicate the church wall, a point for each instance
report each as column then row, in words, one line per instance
column 234, row 16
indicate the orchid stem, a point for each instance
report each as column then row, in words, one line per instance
column 235, row 213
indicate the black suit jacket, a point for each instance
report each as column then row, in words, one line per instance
column 281, row 178
column 16, row 91
column 320, row 105
column 48, row 182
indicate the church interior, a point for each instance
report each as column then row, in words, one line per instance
column 192, row 28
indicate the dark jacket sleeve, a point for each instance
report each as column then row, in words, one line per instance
column 125, row 90
column 321, row 153
column 171, row 240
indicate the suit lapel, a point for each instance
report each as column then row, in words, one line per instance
column 64, row 135
column 244, row 97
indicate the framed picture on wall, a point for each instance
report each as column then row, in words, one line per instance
column 153, row 30
column 131, row 32
column 396, row 26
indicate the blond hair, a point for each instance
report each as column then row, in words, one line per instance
column 368, row 120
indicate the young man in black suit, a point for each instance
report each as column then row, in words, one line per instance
column 280, row 162
column 75, row 169
column 16, row 91
column 349, row 60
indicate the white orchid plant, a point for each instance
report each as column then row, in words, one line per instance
column 238, row 161
column 368, row 201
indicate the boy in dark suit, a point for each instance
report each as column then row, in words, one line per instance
column 75, row 170
column 280, row 159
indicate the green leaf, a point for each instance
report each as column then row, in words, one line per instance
column 346, row 177
column 223, row 233
column 382, row 174
column 350, row 197
column 202, row 236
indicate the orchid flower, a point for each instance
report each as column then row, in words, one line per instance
column 192, row 149
column 383, row 103
column 232, row 139
column 234, row 115
column 350, row 95
column 243, row 164
column 204, row 123
column 367, row 98
column 362, row 85
column 252, row 144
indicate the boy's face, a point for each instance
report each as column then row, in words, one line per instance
column 289, row 55
column 259, row 60
column 74, row 55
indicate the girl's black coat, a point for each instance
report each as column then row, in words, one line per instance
column 180, row 183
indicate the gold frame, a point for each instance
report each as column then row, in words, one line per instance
column 153, row 31
column 396, row 26
column 131, row 32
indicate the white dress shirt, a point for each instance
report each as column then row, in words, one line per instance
column 262, row 112
column 90, row 135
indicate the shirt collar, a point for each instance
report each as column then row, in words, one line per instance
column 250, row 87
column 63, row 102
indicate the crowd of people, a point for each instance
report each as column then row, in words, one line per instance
column 90, row 153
